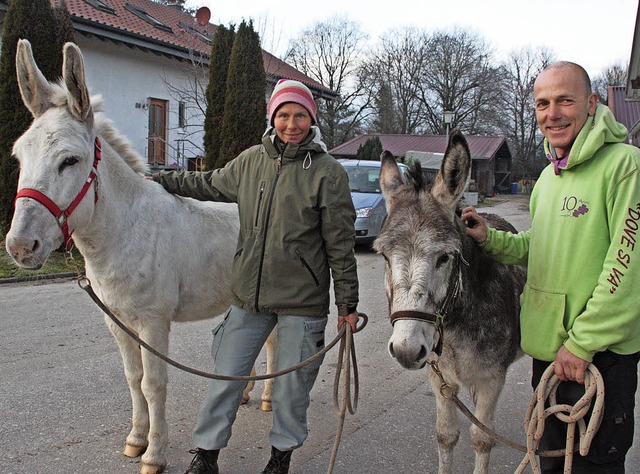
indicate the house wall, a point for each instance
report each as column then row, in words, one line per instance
column 127, row 77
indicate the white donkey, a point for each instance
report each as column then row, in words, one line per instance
column 151, row 257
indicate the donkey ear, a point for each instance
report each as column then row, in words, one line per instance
column 390, row 178
column 35, row 90
column 73, row 74
column 455, row 171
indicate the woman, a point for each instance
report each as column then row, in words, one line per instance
column 296, row 232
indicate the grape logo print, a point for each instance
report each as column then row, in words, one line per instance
column 574, row 207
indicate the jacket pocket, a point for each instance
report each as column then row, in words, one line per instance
column 217, row 335
column 542, row 323
column 312, row 343
column 308, row 267
column 259, row 202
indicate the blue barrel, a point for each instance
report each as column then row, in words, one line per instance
column 514, row 188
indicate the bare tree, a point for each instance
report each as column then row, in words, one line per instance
column 394, row 69
column 615, row 75
column 518, row 119
column 329, row 52
column 191, row 92
column 426, row 74
column 459, row 77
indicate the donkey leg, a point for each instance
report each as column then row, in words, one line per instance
column 272, row 347
column 486, row 399
column 247, row 390
column 447, row 425
column 136, row 442
column 154, row 387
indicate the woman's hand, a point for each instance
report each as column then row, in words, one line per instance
column 352, row 319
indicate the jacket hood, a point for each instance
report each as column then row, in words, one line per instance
column 600, row 129
column 311, row 144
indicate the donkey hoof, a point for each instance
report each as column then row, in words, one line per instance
column 265, row 405
column 151, row 469
column 132, row 451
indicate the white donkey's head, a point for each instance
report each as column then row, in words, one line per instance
column 57, row 157
column 422, row 246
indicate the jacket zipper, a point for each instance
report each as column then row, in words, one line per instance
column 266, row 225
column 260, row 196
column 306, row 265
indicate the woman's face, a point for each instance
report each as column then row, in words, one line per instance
column 292, row 122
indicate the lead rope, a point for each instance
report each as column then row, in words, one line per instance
column 571, row 414
column 346, row 354
column 537, row 414
column 345, row 337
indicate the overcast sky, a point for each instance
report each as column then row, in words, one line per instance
column 593, row 33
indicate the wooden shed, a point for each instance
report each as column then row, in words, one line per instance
column 490, row 154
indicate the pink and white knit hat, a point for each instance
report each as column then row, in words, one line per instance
column 287, row 90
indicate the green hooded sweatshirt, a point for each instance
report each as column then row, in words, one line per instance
column 582, row 250
column 296, row 225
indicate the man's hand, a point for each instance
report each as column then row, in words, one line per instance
column 476, row 225
column 352, row 319
column 569, row 366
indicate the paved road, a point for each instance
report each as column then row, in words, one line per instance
column 65, row 406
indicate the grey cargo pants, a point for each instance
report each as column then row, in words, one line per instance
column 237, row 342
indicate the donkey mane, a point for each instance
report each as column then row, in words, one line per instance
column 116, row 140
column 104, row 127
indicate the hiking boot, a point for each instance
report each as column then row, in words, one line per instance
column 279, row 462
column 205, row 461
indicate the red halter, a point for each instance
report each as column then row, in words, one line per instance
column 62, row 216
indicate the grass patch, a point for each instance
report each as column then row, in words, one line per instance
column 56, row 264
column 488, row 202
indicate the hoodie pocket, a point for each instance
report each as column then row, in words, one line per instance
column 542, row 322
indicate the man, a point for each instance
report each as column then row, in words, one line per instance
column 580, row 302
column 296, row 233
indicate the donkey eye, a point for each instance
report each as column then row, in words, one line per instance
column 69, row 161
column 442, row 260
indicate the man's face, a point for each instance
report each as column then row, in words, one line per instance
column 563, row 104
column 292, row 122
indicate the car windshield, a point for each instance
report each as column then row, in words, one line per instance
column 364, row 179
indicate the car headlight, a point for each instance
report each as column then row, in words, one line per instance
column 364, row 212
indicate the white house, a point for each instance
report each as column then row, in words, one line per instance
column 150, row 63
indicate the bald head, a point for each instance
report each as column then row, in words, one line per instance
column 568, row 68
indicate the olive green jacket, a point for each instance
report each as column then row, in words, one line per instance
column 296, row 225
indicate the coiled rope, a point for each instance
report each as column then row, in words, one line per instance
column 537, row 414
column 572, row 415
column 345, row 337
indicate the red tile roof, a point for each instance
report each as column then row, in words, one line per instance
column 177, row 37
column 481, row 147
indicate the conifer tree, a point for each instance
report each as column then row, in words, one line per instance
column 33, row 20
column 245, row 108
column 65, row 26
column 370, row 150
column 216, row 90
